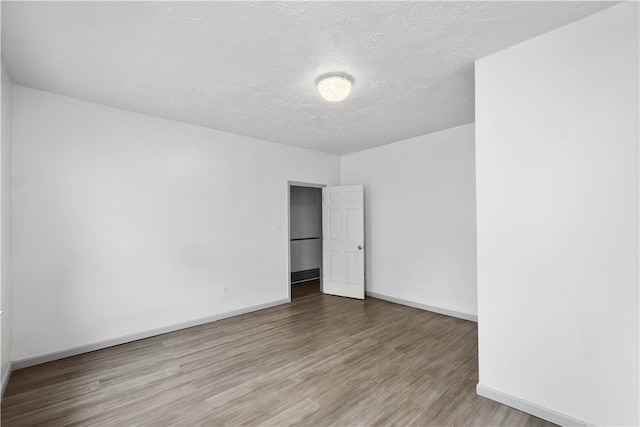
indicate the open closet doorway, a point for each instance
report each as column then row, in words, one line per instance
column 325, row 239
column 305, row 239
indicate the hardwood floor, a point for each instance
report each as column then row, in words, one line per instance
column 305, row 289
column 318, row 361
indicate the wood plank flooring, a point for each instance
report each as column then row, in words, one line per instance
column 318, row 361
column 305, row 289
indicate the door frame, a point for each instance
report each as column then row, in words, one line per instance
column 288, row 234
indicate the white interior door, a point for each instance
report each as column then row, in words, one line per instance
column 343, row 241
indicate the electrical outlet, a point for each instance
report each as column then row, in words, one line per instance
column 226, row 289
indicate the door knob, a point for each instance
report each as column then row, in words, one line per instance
column 360, row 247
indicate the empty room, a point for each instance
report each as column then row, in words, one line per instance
column 333, row 213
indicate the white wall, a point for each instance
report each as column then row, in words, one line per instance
column 306, row 221
column 125, row 222
column 420, row 235
column 557, row 194
column 5, row 228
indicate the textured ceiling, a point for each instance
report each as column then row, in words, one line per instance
column 250, row 67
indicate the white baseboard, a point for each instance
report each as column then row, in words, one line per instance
column 49, row 357
column 5, row 378
column 529, row 407
column 445, row 311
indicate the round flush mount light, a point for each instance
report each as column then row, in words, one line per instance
column 334, row 87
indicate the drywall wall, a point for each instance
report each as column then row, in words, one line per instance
column 306, row 255
column 420, row 236
column 306, row 221
column 5, row 229
column 125, row 222
column 557, row 195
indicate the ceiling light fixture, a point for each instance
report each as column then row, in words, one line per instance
column 334, row 87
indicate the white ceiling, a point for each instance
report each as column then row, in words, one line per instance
column 250, row 67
